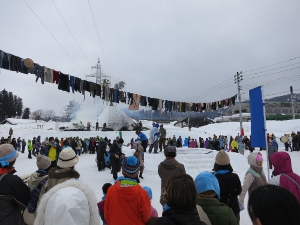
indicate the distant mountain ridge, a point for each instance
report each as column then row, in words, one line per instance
column 285, row 98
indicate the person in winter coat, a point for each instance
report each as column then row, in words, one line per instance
column 70, row 202
column 143, row 139
column 14, row 194
column 208, row 188
column 14, row 143
column 139, row 154
column 229, row 182
column 167, row 168
column 149, row 192
column 101, row 151
column 153, row 139
column 241, row 147
column 19, row 141
column 271, row 150
column 273, row 205
column 29, row 148
column 115, row 157
column 283, row 174
column 162, row 138
column 182, row 199
column 36, row 151
column 79, row 146
column 10, row 132
column 102, row 202
column 234, row 145
column 52, row 150
column 43, row 163
column 255, row 176
column 23, row 145
column 126, row 202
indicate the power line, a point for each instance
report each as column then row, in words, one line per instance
column 272, row 73
column 87, row 29
column 272, row 64
column 71, row 32
column 53, row 36
column 98, row 36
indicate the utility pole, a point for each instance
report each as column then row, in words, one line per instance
column 292, row 100
column 237, row 79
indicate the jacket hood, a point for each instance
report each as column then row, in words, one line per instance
column 169, row 163
column 252, row 159
column 281, row 162
column 128, row 193
column 70, row 202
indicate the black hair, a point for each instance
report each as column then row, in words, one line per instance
column 222, row 167
column 51, row 138
column 120, row 141
column 273, row 205
column 105, row 187
column 181, row 192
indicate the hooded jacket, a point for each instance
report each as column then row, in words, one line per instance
column 128, row 205
column 254, row 178
column 70, row 202
column 282, row 167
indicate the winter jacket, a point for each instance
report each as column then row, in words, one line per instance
column 115, row 150
column 167, row 168
column 14, row 197
column 142, row 136
column 178, row 217
column 217, row 212
column 230, row 189
column 29, row 145
column 254, row 178
column 283, row 168
column 163, row 132
column 70, row 202
column 153, row 135
column 234, row 144
column 128, row 205
column 35, row 178
column 47, row 149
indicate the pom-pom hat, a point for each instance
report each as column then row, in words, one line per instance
column 130, row 167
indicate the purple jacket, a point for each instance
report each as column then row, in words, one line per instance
column 283, row 165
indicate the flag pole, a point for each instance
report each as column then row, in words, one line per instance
column 265, row 127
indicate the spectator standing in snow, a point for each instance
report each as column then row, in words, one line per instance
column 255, row 176
column 162, row 138
column 241, row 147
column 182, row 199
column 271, row 150
column 143, row 139
column 167, row 168
column 101, row 204
column 179, row 142
column 52, row 150
column 234, row 145
column 273, row 205
column 101, row 151
column 97, row 125
column 126, row 202
column 115, row 157
column 23, row 145
column 29, row 148
column 14, row 194
column 19, row 141
column 229, row 182
column 10, row 132
column 283, row 173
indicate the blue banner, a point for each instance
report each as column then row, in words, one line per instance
column 258, row 134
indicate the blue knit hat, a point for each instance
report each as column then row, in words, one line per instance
column 130, row 167
column 206, row 181
column 156, row 125
column 149, row 191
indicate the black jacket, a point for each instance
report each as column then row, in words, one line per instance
column 101, row 149
column 177, row 216
column 114, row 149
column 230, row 188
column 14, row 197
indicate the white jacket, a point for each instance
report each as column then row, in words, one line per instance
column 152, row 136
column 70, row 202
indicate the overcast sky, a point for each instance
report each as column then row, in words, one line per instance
column 174, row 50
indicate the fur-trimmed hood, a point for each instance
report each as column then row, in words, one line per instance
column 82, row 201
column 60, row 173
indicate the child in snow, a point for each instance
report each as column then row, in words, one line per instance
column 241, row 147
column 153, row 210
column 29, row 147
column 102, row 202
column 255, row 176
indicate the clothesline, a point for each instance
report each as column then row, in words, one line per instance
column 68, row 83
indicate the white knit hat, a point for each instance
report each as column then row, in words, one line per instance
column 67, row 158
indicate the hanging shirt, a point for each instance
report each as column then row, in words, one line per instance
column 22, row 67
column 72, row 82
column 14, row 63
column 47, row 75
column 40, row 74
column 6, row 60
column 34, row 69
column 55, row 76
column 64, row 82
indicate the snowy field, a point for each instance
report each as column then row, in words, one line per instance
column 195, row 160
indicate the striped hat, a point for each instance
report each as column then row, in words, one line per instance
column 130, row 167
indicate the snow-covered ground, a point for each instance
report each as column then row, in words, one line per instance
column 195, row 160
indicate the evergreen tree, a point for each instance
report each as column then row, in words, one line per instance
column 15, row 105
column 4, row 106
column 19, row 107
column 10, row 108
column 26, row 113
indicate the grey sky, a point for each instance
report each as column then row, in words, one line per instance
column 175, row 50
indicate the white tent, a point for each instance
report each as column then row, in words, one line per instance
column 114, row 118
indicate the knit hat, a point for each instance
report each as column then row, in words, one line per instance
column 67, row 158
column 222, row 158
column 259, row 158
column 170, row 151
column 156, row 125
column 7, row 154
column 43, row 162
column 206, row 181
column 130, row 167
column 149, row 191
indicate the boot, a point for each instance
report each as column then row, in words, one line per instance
column 141, row 176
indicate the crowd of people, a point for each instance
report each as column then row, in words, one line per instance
column 54, row 194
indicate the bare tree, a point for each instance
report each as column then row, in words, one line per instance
column 37, row 115
column 49, row 114
column 67, row 111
